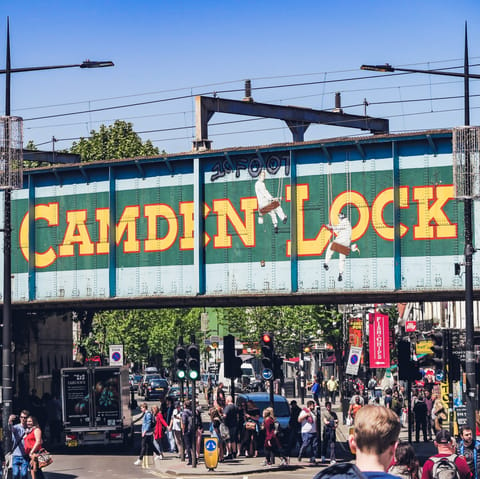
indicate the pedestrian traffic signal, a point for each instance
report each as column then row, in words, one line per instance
column 193, row 361
column 232, row 363
column 180, row 354
column 439, row 350
column 268, row 351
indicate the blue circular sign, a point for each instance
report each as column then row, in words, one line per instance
column 439, row 375
column 267, row 374
column 354, row 359
column 116, row 356
column 210, row 445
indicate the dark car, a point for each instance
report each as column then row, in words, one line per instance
column 142, row 387
column 280, row 408
column 134, row 380
column 156, row 389
column 174, row 393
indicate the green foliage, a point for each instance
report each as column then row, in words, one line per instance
column 148, row 333
column 143, row 333
column 113, row 142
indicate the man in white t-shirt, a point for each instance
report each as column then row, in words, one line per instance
column 307, row 418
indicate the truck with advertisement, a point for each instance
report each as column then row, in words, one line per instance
column 95, row 405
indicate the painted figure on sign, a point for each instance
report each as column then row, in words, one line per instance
column 341, row 244
column 267, row 204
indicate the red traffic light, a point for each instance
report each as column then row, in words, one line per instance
column 266, row 338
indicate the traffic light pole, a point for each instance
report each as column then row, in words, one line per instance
column 194, row 423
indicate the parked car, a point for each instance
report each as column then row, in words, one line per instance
column 280, row 407
column 156, row 389
column 134, row 380
column 142, row 387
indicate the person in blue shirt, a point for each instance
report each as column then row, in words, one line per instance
column 469, row 450
column 148, row 426
column 20, row 461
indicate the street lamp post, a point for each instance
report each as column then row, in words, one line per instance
column 469, row 250
column 7, row 371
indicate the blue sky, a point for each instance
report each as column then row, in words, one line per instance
column 168, row 49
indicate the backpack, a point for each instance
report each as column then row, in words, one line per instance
column 187, row 418
column 341, row 471
column 153, row 422
column 444, row 467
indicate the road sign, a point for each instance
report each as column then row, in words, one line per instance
column 354, row 360
column 116, row 354
column 267, row 374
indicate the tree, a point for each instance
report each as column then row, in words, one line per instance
column 144, row 334
column 114, row 141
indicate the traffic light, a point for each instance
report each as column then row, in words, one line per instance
column 277, row 367
column 180, row 354
column 232, row 363
column 267, row 351
column 193, row 361
column 408, row 369
column 439, row 350
column 404, row 359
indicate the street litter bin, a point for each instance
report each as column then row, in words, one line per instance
column 210, row 452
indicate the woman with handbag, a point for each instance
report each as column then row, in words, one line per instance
column 33, row 444
column 250, row 439
column 160, row 425
column 216, row 418
column 272, row 444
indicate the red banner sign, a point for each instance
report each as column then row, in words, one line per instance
column 379, row 340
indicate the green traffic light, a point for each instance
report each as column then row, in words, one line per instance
column 193, row 375
column 180, row 374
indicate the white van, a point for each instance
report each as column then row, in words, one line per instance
column 248, row 376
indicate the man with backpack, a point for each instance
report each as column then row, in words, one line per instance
column 445, row 464
column 469, row 450
column 188, row 430
column 374, row 441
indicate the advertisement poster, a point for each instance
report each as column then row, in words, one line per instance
column 379, row 340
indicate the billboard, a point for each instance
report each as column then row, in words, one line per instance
column 340, row 216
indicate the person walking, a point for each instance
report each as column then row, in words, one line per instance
column 332, row 388
column 429, row 402
column 33, row 444
column 19, row 458
column 406, row 465
column 216, row 418
column 420, row 412
column 147, row 433
column 272, row 444
column 160, row 425
column 469, row 450
column 307, row 418
column 294, row 435
column 188, row 430
column 250, row 440
column 230, row 417
column 354, row 408
column 176, row 428
column 330, row 424
column 446, row 455
column 198, row 431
